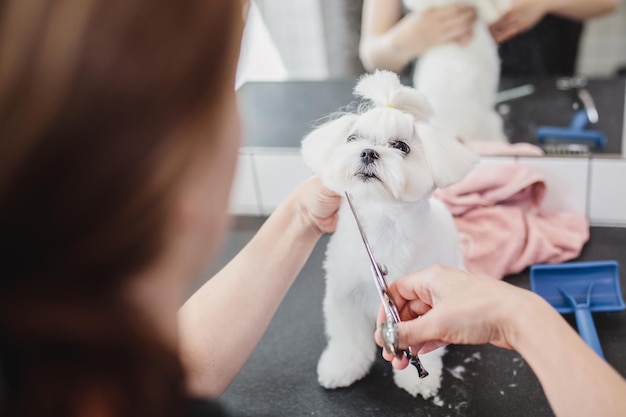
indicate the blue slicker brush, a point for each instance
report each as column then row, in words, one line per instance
column 576, row 135
column 576, row 132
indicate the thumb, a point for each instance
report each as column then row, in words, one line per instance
column 430, row 346
column 421, row 332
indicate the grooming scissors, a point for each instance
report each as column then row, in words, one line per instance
column 389, row 329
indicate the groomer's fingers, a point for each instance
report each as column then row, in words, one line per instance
column 465, row 17
column 408, row 307
column 408, row 310
column 445, row 24
column 499, row 26
column 418, row 332
column 465, row 39
column 457, row 26
column 504, row 33
column 506, row 27
column 452, row 10
column 397, row 361
column 400, row 362
column 381, row 318
column 417, row 286
column 413, row 309
column 430, row 346
column 456, row 33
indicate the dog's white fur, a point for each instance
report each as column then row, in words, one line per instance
column 461, row 82
column 408, row 231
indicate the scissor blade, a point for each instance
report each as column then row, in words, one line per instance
column 358, row 223
column 376, row 272
column 370, row 255
column 383, row 291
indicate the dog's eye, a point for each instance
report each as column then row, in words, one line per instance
column 401, row 146
column 352, row 138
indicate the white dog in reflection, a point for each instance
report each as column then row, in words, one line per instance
column 391, row 159
column 461, row 81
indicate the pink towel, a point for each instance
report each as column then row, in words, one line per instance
column 498, row 148
column 497, row 210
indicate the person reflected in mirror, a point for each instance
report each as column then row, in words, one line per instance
column 536, row 37
column 391, row 39
column 541, row 38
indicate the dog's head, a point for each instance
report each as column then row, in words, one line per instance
column 388, row 152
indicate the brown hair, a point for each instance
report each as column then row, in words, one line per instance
column 91, row 94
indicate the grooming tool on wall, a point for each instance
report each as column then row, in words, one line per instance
column 576, row 133
column 580, row 288
column 578, row 86
column 389, row 331
column 515, row 93
column 505, row 96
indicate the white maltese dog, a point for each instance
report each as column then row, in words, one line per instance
column 461, row 81
column 390, row 159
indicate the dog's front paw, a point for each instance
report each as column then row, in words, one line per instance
column 341, row 366
column 408, row 379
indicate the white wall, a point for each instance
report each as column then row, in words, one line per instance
column 595, row 187
column 603, row 45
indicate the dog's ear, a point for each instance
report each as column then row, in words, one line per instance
column 448, row 159
column 320, row 143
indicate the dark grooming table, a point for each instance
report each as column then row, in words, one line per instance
column 280, row 378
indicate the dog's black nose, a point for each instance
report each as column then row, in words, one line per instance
column 368, row 156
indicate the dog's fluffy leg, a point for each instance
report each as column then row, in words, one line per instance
column 351, row 349
column 408, row 380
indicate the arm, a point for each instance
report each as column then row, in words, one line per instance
column 582, row 9
column 221, row 324
column 522, row 15
column 390, row 41
column 459, row 307
column 575, row 379
column 377, row 47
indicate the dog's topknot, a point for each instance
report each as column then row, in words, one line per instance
column 383, row 89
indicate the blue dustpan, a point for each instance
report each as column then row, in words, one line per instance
column 580, row 288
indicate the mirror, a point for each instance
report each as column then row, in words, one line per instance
column 318, row 42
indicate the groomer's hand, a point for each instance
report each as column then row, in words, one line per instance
column 436, row 26
column 318, row 205
column 521, row 16
column 442, row 305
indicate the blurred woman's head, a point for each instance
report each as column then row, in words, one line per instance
column 115, row 118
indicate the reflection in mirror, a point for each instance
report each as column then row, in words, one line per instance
column 461, row 58
column 534, row 103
